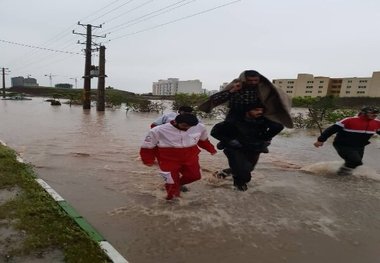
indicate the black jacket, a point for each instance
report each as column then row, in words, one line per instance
column 252, row 134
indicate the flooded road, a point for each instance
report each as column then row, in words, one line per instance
column 295, row 209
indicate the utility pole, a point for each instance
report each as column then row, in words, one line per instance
column 3, row 71
column 87, row 66
column 100, row 106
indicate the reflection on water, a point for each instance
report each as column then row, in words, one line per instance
column 296, row 209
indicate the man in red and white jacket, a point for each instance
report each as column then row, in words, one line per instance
column 175, row 146
column 353, row 134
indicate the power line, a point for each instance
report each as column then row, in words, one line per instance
column 100, row 9
column 140, row 19
column 175, row 20
column 128, row 11
column 116, row 8
column 36, row 47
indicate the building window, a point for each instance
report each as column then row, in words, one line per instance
column 289, row 91
column 309, row 87
column 319, row 91
column 360, row 92
column 308, row 91
column 310, row 81
column 348, row 87
column 348, row 92
column 321, row 87
column 362, row 87
column 321, row 81
column 350, row 81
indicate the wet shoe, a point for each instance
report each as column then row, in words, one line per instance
column 242, row 187
column 265, row 149
column 344, row 171
column 184, row 189
column 223, row 173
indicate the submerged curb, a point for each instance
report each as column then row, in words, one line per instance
column 111, row 252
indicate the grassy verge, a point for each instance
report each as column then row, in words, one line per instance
column 36, row 214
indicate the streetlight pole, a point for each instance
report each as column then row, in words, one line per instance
column 76, row 82
column 50, row 78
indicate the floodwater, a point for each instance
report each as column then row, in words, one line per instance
column 295, row 209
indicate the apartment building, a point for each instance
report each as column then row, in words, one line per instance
column 316, row 86
column 172, row 86
column 23, row 82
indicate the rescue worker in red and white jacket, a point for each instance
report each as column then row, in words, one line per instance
column 175, row 146
column 353, row 134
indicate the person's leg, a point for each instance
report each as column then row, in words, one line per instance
column 190, row 171
column 352, row 157
column 172, row 190
column 241, row 168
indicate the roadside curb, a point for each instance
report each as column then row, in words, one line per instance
column 110, row 251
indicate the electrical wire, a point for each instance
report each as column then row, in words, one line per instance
column 37, row 47
column 175, row 20
column 148, row 16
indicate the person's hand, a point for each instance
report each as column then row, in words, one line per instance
column 236, row 86
column 318, row 144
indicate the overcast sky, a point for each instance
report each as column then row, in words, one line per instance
column 148, row 40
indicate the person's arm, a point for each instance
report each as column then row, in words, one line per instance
column 326, row 134
column 220, row 97
column 158, row 121
column 205, row 143
column 148, row 150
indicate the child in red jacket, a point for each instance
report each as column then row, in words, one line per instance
column 175, row 146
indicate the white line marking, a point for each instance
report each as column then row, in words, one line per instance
column 112, row 252
column 50, row 190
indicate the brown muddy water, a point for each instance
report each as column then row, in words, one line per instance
column 295, row 209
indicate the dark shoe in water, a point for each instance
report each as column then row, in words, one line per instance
column 184, row 189
column 265, row 149
column 223, row 173
column 242, row 187
column 344, row 171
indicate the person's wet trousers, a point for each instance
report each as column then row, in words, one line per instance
column 242, row 164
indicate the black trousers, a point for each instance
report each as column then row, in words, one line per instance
column 352, row 156
column 242, row 164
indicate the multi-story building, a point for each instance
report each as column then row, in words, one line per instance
column 308, row 85
column 172, row 86
column 22, row 82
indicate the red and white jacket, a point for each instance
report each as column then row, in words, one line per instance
column 168, row 143
column 352, row 131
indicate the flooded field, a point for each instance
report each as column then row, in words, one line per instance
column 295, row 210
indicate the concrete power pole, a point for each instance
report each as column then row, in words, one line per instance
column 100, row 106
column 87, row 66
column 3, row 71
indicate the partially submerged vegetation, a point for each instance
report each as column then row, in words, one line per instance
column 40, row 221
column 320, row 110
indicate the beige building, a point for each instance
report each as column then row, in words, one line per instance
column 308, row 85
column 172, row 86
